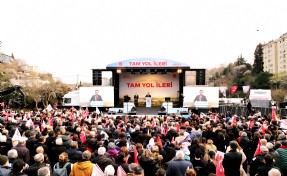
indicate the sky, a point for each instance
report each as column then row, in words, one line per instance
column 69, row 38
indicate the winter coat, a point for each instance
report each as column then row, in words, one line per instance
column 231, row 163
column 84, row 168
column 23, row 152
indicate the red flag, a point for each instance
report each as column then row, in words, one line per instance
column 258, row 152
column 234, row 121
column 233, row 89
column 162, row 130
column 263, row 130
column 211, row 116
column 177, row 127
column 43, row 125
column 121, row 171
column 83, row 136
column 251, row 124
column 159, row 140
column 50, row 121
column 136, row 155
column 274, row 115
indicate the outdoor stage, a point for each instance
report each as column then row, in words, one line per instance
column 154, row 110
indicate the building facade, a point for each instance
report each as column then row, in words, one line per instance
column 274, row 55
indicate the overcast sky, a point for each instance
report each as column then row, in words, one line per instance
column 69, row 38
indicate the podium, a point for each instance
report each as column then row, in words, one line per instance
column 201, row 104
column 128, row 106
column 167, row 106
column 97, row 104
column 148, row 102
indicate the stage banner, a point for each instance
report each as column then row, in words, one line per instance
column 148, row 102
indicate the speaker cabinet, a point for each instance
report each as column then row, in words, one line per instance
column 97, row 77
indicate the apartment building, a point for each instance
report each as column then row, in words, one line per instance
column 274, row 55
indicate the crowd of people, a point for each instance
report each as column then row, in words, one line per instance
column 77, row 142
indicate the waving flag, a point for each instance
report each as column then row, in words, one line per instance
column 136, row 155
column 97, row 171
column 258, row 152
column 43, row 125
column 83, row 135
column 274, row 115
column 233, row 89
column 17, row 135
column 121, row 171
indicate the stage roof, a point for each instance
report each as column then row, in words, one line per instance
column 147, row 63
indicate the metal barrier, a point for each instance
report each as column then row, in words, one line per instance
column 243, row 111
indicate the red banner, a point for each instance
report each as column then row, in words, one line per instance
column 233, row 89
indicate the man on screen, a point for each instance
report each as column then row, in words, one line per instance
column 96, row 97
column 200, row 97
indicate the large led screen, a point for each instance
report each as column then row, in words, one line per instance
column 97, row 96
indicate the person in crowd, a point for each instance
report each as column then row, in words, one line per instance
column 109, row 170
column 40, row 149
column 83, row 167
column 268, row 165
column 63, row 163
column 258, row 161
column 178, row 166
column 44, row 171
column 149, row 162
column 211, row 163
column 74, row 154
column 274, row 172
column 18, row 168
column 281, row 162
column 57, row 150
column 138, row 171
column 4, row 165
column 190, row 172
column 232, row 161
column 198, row 163
column 39, row 163
column 112, row 151
column 102, row 160
column 22, row 150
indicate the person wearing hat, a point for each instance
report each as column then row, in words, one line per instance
column 232, row 160
column 4, row 165
column 258, row 161
column 84, row 167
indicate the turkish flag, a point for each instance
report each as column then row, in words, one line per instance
column 233, row 89
column 258, row 152
column 274, row 115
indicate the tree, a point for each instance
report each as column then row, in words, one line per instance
column 240, row 61
column 262, row 81
column 258, row 60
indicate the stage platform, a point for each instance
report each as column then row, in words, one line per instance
column 155, row 110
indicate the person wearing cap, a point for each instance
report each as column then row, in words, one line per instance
column 232, row 160
column 84, row 167
column 22, row 150
column 258, row 161
column 4, row 165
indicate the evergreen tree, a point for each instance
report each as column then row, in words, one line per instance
column 258, row 60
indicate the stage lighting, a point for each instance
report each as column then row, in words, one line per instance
column 179, row 70
column 119, row 71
